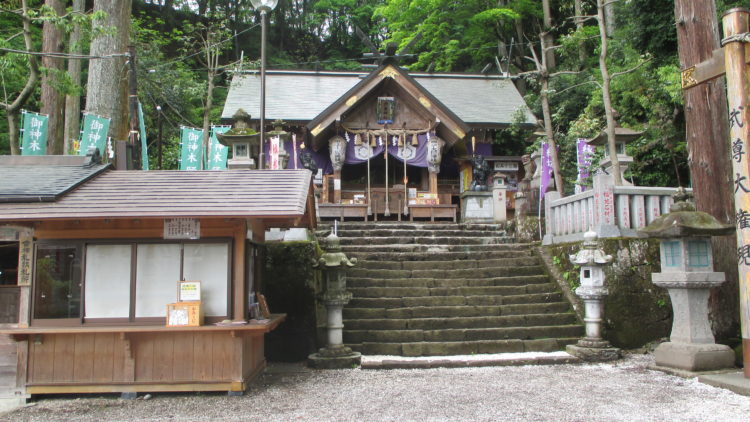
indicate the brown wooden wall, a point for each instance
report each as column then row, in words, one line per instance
column 155, row 360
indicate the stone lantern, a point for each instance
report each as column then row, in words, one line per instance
column 243, row 140
column 278, row 131
column 687, row 273
column 623, row 136
column 334, row 264
column 592, row 291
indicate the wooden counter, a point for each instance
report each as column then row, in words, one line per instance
column 117, row 359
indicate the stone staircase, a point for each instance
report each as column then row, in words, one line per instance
column 449, row 289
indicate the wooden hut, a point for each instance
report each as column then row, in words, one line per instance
column 100, row 254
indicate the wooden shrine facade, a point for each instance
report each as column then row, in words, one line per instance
column 99, row 264
column 387, row 143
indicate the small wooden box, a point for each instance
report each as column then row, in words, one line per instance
column 185, row 314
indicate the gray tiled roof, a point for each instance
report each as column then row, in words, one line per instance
column 303, row 95
column 43, row 178
column 165, row 193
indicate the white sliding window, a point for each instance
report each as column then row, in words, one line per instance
column 209, row 264
column 107, row 291
column 157, row 274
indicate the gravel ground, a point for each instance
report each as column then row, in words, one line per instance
column 623, row 391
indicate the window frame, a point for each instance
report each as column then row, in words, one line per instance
column 82, row 244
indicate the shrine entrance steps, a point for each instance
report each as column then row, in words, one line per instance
column 449, row 289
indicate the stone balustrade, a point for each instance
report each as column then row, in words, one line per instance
column 610, row 211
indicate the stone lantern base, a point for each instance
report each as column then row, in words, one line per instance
column 594, row 350
column 694, row 357
column 339, row 357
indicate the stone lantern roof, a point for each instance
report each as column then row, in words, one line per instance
column 590, row 254
column 683, row 221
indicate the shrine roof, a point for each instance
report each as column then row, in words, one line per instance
column 300, row 96
column 43, row 178
column 161, row 194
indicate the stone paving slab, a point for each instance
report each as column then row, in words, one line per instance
column 621, row 391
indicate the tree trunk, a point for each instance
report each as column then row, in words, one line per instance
column 73, row 101
column 609, row 19
column 707, row 139
column 547, row 36
column 582, row 55
column 616, row 174
column 13, row 109
column 548, row 129
column 52, row 100
column 107, row 81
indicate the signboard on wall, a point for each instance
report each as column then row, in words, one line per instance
column 182, row 228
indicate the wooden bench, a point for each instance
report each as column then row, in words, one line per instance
column 342, row 210
column 433, row 211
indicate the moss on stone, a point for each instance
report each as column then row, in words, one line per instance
column 636, row 311
column 290, row 285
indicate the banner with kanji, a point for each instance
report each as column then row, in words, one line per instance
column 93, row 134
column 191, row 152
column 144, row 147
column 34, row 133
column 584, row 153
column 217, row 153
column 546, row 170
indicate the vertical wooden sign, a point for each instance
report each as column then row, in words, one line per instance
column 736, row 23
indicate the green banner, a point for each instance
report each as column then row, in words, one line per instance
column 94, row 134
column 144, row 147
column 34, row 132
column 217, row 155
column 191, row 154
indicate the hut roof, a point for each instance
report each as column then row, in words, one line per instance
column 164, row 194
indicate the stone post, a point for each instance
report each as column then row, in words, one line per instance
column 687, row 272
column 334, row 263
column 593, row 290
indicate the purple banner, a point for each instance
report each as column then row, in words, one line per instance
column 321, row 157
column 484, row 150
column 414, row 155
column 585, row 154
column 546, row 170
column 358, row 154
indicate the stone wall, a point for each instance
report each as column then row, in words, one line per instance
column 636, row 311
column 290, row 285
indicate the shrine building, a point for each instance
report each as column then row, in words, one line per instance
column 430, row 124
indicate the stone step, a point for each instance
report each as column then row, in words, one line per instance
column 326, row 227
column 547, row 296
column 461, row 334
column 489, row 272
column 488, row 295
column 442, row 256
column 351, row 313
column 420, row 233
column 424, row 241
column 566, row 318
column 352, row 282
column 439, row 248
column 463, row 348
column 446, row 264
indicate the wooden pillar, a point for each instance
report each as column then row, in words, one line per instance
column 239, row 280
column 337, row 186
column 433, row 183
column 735, row 22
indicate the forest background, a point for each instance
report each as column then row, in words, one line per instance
column 187, row 50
